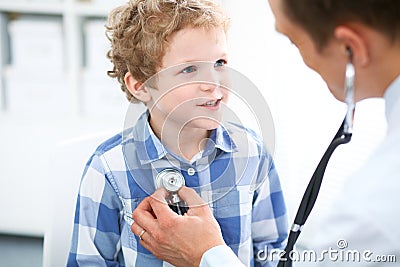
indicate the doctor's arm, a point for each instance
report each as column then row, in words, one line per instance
column 194, row 239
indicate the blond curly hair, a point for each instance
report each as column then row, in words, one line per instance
column 139, row 31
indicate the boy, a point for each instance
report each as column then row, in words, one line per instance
column 161, row 51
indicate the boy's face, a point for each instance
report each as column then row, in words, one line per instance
column 191, row 88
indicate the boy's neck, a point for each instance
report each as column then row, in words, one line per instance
column 185, row 142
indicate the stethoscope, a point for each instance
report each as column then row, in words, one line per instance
column 343, row 136
column 172, row 180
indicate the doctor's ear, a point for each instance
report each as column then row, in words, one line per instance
column 136, row 88
column 355, row 44
column 349, row 53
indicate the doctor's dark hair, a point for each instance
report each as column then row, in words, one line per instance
column 320, row 17
column 139, row 32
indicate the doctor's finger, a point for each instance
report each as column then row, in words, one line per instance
column 158, row 250
column 190, row 197
column 137, row 229
column 144, row 217
column 159, row 195
column 159, row 206
column 146, row 206
column 159, row 247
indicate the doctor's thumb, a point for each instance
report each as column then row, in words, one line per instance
column 190, row 196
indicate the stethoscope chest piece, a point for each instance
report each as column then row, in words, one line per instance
column 172, row 180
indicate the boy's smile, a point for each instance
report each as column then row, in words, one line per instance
column 212, row 104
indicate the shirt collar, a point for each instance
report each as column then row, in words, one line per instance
column 392, row 104
column 149, row 148
column 220, row 138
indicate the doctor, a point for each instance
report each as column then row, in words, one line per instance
column 323, row 31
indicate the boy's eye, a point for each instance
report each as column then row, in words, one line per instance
column 220, row 63
column 189, row 69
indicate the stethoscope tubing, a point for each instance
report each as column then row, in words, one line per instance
column 311, row 193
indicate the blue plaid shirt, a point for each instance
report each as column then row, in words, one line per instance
column 234, row 174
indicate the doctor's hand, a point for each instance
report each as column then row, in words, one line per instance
column 179, row 240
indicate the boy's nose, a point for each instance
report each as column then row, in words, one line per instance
column 210, row 80
column 209, row 86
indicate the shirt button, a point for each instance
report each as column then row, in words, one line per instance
column 191, row 171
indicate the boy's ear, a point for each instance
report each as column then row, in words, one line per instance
column 136, row 88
